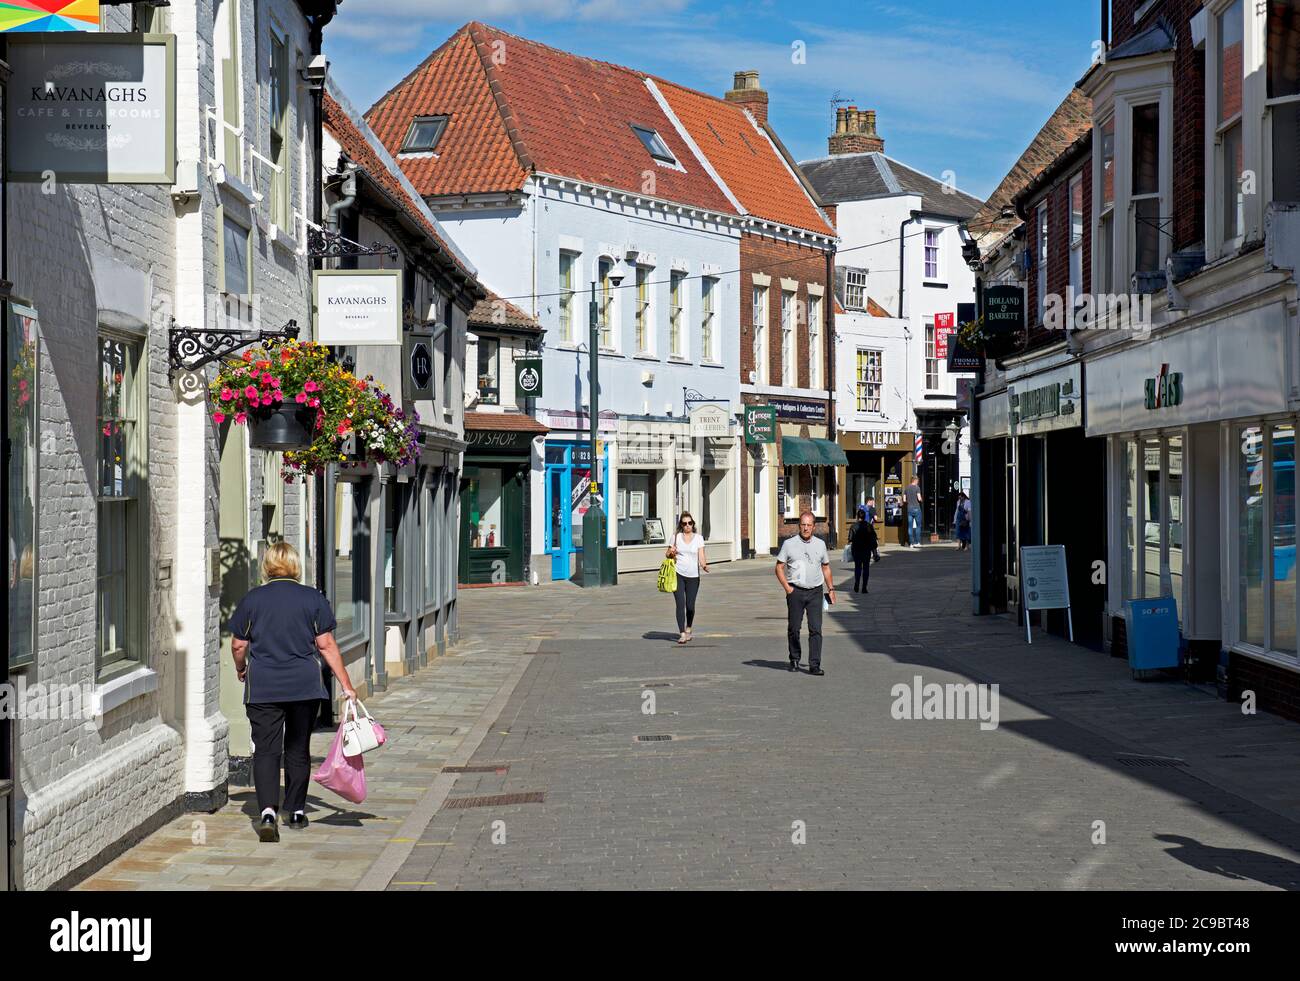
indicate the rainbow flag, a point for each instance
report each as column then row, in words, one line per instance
column 27, row 16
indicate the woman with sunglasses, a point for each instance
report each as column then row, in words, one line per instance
column 688, row 549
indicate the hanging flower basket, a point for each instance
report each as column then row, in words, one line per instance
column 976, row 336
column 296, row 400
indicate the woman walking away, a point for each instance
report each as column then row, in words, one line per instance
column 961, row 521
column 688, row 549
column 282, row 631
column 863, row 544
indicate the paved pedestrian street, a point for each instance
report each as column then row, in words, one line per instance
column 747, row 776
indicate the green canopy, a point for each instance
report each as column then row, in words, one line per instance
column 797, row 452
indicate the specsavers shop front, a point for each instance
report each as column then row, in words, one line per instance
column 1200, row 427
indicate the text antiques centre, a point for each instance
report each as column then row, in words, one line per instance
column 650, row 471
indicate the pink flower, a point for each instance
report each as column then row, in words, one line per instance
column 310, row 386
column 267, row 400
column 300, row 398
column 315, row 403
column 277, row 395
column 241, row 418
column 227, row 395
column 250, row 393
column 218, row 417
column 267, row 377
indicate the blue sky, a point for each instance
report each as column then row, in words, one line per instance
column 960, row 85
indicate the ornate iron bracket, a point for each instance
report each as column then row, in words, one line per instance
column 324, row 244
column 189, row 348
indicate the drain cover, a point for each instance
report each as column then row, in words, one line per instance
column 654, row 739
column 495, row 800
column 1149, row 761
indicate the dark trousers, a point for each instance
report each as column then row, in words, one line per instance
column 282, row 730
column 688, row 587
column 796, row 604
column 861, row 572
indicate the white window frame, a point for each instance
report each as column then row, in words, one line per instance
column 677, row 315
column 1124, row 86
column 708, row 318
column 1103, row 243
column 607, row 306
column 814, row 341
column 1256, row 58
column 230, row 59
column 789, row 372
column 760, row 319
column 281, row 198
column 926, row 247
column 791, row 492
column 1159, row 196
column 1076, row 235
column 855, row 288
column 931, row 355
column 568, row 293
column 643, row 311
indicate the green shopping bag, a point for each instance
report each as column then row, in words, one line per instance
column 668, row 576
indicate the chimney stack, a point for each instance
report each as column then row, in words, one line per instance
column 747, row 93
column 855, row 132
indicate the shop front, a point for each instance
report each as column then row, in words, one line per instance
column 879, row 467
column 1201, row 447
column 567, row 461
column 1043, row 483
column 792, row 469
column 496, row 499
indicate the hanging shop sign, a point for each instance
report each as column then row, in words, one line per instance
column 91, row 108
column 805, row 410
column 710, row 420
column 1004, row 310
column 1165, row 390
column 419, row 367
column 760, row 424
column 528, row 378
column 358, row 306
column 962, row 359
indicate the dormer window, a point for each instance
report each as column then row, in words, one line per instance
column 655, row 145
column 424, row 134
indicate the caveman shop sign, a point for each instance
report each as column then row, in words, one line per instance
column 91, row 108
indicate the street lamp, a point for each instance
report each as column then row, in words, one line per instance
column 598, row 565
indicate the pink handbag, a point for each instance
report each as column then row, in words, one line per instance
column 344, row 775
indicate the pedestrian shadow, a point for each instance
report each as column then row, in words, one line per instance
column 1241, row 864
column 774, row 665
column 660, row 635
column 337, row 816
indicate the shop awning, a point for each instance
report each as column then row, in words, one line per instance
column 798, row 452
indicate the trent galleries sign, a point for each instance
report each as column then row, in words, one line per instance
column 358, row 306
column 91, row 108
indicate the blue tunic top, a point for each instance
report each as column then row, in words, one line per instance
column 281, row 620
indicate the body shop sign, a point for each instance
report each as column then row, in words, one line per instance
column 358, row 306
column 92, row 108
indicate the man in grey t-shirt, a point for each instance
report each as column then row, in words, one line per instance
column 914, row 501
column 803, row 568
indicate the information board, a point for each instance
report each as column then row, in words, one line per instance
column 1044, row 582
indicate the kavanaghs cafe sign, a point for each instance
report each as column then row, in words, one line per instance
column 358, row 306
column 91, row 108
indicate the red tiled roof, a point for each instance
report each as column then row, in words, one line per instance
column 516, row 105
column 514, row 422
column 876, row 310
column 744, row 157
column 353, row 142
column 493, row 311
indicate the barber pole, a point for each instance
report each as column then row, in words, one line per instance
column 919, row 455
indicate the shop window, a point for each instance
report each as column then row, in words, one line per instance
column 760, row 334
column 1174, row 516
column 485, row 524
column 489, row 370
column 122, row 592
column 1251, row 559
column 1282, row 444
column 787, row 339
column 394, row 552
column 637, row 506
column 791, row 509
column 351, row 557
column 23, row 473
column 1151, row 513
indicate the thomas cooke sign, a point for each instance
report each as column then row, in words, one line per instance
column 91, row 108
column 358, row 306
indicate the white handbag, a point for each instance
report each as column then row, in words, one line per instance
column 359, row 735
